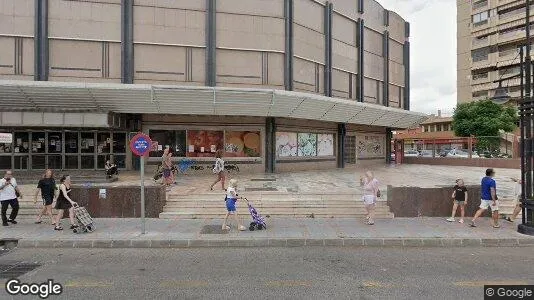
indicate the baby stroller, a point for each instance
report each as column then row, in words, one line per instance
column 258, row 222
column 84, row 221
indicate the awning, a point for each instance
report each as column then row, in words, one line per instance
column 186, row 100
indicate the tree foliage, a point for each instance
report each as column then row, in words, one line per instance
column 483, row 119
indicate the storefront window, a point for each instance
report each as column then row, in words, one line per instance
column 204, row 143
column 55, row 142
column 88, row 142
column 38, row 162
column 5, row 148
column 21, row 162
column 101, row 161
column 119, row 142
column 55, row 162
column 88, row 161
column 5, row 162
column 21, row 142
column 120, row 161
column 38, row 142
column 71, row 162
column 164, row 138
column 104, row 142
column 71, row 142
column 242, row 144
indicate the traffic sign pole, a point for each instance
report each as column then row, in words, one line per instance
column 140, row 146
column 143, row 221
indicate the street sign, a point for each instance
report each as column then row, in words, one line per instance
column 141, row 144
column 6, row 138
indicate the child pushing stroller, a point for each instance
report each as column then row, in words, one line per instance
column 231, row 199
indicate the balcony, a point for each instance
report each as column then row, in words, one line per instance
column 491, row 61
column 480, row 43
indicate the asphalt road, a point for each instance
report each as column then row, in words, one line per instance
column 275, row 273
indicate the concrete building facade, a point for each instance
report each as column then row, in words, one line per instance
column 489, row 34
column 276, row 84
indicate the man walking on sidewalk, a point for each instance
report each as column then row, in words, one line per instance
column 9, row 192
column 489, row 199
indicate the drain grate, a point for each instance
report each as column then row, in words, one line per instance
column 16, row 269
column 212, row 229
column 263, row 179
column 261, row 189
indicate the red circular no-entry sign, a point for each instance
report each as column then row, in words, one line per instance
column 140, row 144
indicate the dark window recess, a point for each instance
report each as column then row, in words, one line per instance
column 480, row 4
column 350, row 149
column 480, row 75
column 480, row 54
column 480, row 94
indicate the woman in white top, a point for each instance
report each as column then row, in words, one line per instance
column 370, row 193
column 219, row 170
column 517, row 200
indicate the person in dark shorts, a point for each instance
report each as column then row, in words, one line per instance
column 47, row 188
column 459, row 196
column 64, row 202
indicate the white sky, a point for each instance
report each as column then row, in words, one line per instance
column 433, row 52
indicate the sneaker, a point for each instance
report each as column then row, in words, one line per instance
column 242, row 228
column 450, row 219
column 472, row 224
column 509, row 220
column 226, row 227
column 5, row 224
column 497, row 226
column 12, row 221
column 461, row 221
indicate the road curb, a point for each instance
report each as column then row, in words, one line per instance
column 273, row 242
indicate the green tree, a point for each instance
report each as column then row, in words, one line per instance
column 484, row 119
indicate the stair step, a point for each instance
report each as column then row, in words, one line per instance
column 186, row 215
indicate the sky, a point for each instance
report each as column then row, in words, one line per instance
column 433, row 52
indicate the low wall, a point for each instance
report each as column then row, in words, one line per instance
column 408, row 202
column 120, row 201
column 503, row 163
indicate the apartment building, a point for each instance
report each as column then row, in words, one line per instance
column 489, row 35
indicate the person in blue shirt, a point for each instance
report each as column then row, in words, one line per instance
column 489, row 199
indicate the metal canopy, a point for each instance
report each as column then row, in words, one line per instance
column 186, row 100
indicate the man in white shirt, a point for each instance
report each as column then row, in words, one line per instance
column 9, row 192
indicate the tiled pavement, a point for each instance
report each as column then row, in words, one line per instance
column 126, row 233
column 341, row 180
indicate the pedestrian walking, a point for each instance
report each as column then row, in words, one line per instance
column 489, row 199
column 459, row 198
column 219, row 170
column 518, row 195
column 370, row 193
column 47, row 187
column 9, row 194
column 64, row 202
column 167, row 168
column 231, row 200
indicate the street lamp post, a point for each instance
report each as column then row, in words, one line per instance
column 526, row 124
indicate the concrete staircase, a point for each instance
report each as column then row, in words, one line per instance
column 211, row 205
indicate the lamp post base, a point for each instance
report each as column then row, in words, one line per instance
column 524, row 229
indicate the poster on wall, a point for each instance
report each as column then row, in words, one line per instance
column 325, row 145
column 242, row 144
column 307, row 144
column 371, row 146
column 204, row 143
column 286, row 144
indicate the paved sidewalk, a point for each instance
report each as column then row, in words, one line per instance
column 281, row 232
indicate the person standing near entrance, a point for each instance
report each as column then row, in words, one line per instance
column 518, row 195
column 219, row 170
column 9, row 194
column 47, row 187
column 489, row 199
